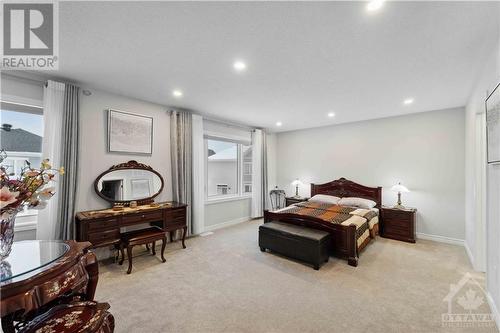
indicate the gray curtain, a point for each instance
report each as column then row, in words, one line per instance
column 181, row 148
column 69, row 159
column 265, row 190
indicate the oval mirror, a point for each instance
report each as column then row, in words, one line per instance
column 131, row 181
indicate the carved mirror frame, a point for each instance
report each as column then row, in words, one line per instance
column 130, row 165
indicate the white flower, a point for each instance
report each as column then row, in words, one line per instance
column 7, row 197
column 46, row 193
column 40, row 205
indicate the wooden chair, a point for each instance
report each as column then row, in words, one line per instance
column 76, row 317
column 141, row 237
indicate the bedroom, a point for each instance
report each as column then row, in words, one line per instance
column 175, row 123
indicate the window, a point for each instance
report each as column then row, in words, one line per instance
column 21, row 132
column 247, row 169
column 228, row 169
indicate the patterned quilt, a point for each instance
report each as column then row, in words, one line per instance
column 335, row 214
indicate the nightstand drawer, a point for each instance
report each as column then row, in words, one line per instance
column 395, row 230
column 400, row 224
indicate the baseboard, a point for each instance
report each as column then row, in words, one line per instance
column 226, row 224
column 469, row 253
column 441, row 239
column 494, row 309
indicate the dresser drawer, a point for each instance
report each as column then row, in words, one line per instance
column 104, row 236
column 145, row 217
column 177, row 221
column 103, row 224
column 175, row 213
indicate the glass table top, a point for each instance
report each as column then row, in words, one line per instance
column 28, row 258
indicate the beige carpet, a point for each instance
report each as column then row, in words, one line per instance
column 223, row 283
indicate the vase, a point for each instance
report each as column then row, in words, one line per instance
column 7, row 232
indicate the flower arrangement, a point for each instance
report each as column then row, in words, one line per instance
column 30, row 189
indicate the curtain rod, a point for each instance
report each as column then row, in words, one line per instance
column 24, row 78
column 227, row 123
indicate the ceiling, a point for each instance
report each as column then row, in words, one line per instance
column 303, row 59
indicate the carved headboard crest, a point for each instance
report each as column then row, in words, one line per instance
column 346, row 188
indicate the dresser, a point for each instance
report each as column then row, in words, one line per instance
column 102, row 227
column 398, row 224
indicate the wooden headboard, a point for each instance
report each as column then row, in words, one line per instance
column 345, row 188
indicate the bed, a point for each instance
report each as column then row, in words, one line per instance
column 350, row 233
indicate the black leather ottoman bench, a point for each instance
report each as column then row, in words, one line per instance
column 308, row 245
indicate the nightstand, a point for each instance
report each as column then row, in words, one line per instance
column 398, row 224
column 291, row 200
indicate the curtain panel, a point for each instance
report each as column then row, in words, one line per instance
column 69, row 159
column 259, row 173
column 60, row 146
column 181, row 159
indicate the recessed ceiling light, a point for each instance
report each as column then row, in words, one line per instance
column 374, row 5
column 177, row 93
column 239, row 66
column 408, row 101
column 331, row 114
column 279, row 124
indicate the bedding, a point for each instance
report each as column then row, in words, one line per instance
column 338, row 215
column 325, row 198
column 357, row 202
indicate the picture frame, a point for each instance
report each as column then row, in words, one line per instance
column 140, row 188
column 129, row 133
column 493, row 126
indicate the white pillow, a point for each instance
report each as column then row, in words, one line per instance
column 325, row 198
column 357, row 202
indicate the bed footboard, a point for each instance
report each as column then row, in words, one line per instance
column 344, row 243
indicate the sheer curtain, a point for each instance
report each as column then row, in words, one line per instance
column 259, row 173
column 53, row 111
column 60, row 146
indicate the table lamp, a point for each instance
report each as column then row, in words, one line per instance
column 399, row 188
column 296, row 183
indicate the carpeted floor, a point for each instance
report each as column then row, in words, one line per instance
column 223, row 283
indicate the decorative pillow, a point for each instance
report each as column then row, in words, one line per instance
column 357, row 202
column 325, row 198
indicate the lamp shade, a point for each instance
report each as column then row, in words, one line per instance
column 399, row 188
column 296, row 182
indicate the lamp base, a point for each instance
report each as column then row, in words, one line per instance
column 297, row 197
column 399, row 206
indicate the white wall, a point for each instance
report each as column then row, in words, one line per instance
column 475, row 235
column 424, row 151
column 222, row 214
column 94, row 158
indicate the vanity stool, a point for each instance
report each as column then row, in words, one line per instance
column 141, row 237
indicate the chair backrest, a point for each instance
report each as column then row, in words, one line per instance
column 277, row 197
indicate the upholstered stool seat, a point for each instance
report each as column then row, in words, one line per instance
column 87, row 316
column 141, row 237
